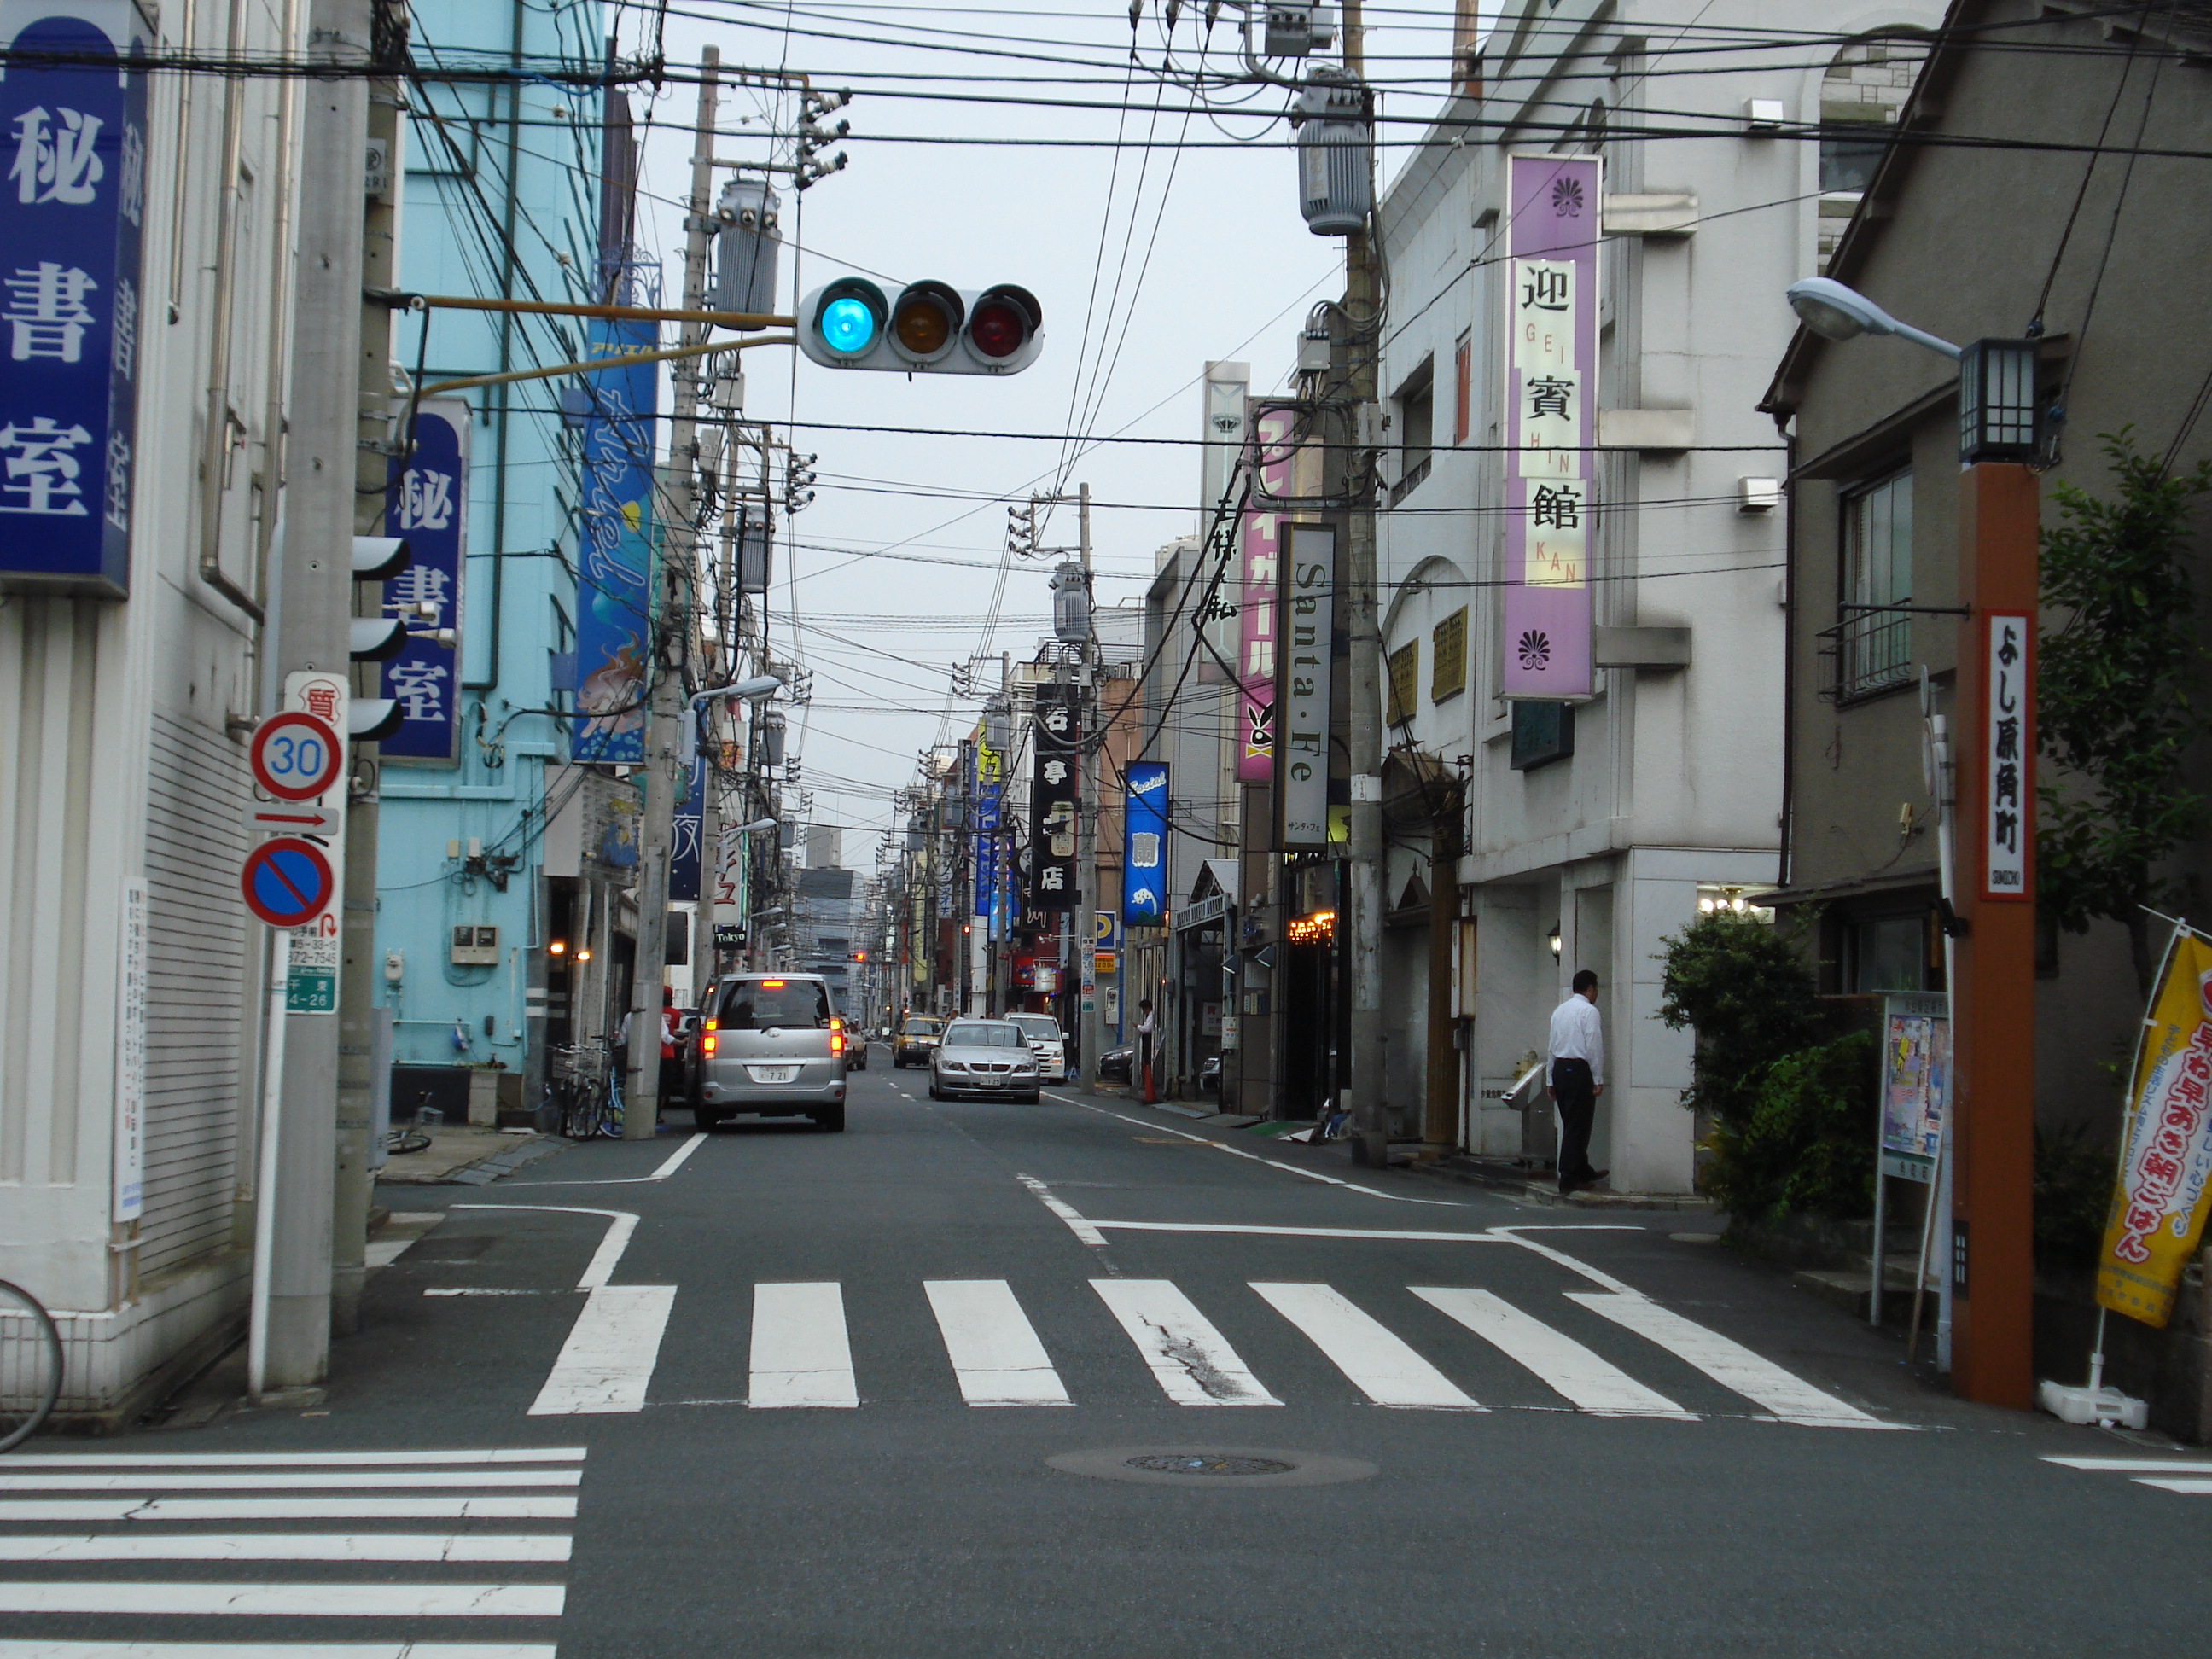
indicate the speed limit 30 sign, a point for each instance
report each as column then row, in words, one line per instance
column 295, row 756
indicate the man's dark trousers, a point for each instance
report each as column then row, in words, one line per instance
column 1575, row 1094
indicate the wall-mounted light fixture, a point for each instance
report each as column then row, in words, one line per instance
column 1554, row 939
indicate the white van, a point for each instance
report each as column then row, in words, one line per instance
column 1046, row 1043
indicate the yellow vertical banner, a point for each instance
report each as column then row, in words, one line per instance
column 2158, row 1201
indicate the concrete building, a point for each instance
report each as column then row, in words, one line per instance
column 485, row 853
column 1532, row 839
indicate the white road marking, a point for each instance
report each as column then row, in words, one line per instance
column 801, row 1353
column 479, row 1290
column 1573, row 1265
column 1192, row 1361
column 1728, row 1362
column 994, row 1349
column 2193, row 1487
column 164, row 1481
column 383, row 1252
column 2137, row 1465
column 292, row 1546
column 674, row 1162
column 343, row 1600
column 1298, row 1232
column 1380, row 1363
column 288, row 1460
column 607, row 1361
column 288, row 1508
column 606, row 1258
column 1083, row 1230
column 1566, row 1367
column 1272, row 1163
column 44, row 1650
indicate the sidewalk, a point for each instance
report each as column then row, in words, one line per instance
column 464, row 1156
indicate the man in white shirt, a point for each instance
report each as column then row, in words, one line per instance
column 1577, row 1057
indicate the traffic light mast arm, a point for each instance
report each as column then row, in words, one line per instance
column 566, row 308
column 586, row 365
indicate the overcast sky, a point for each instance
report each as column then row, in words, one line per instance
column 1199, row 253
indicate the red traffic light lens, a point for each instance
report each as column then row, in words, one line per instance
column 999, row 328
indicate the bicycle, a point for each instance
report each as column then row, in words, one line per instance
column 31, row 1358
column 586, row 1099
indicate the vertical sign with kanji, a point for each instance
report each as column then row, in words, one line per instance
column 990, row 792
column 428, row 508
column 129, row 1182
column 685, row 830
column 2007, row 828
column 1145, row 860
column 1054, row 789
column 1260, row 559
column 613, row 590
column 72, row 209
column 1550, row 415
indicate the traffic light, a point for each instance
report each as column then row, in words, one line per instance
column 931, row 328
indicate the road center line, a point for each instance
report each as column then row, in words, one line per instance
column 1082, row 1229
column 673, row 1162
column 608, row 1256
column 1300, row 1233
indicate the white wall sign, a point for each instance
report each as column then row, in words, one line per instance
column 2009, row 772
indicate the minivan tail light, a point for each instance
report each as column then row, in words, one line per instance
column 709, row 1042
column 772, row 984
column 836, row 1041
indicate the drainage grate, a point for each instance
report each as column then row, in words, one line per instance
column 1210, row 1463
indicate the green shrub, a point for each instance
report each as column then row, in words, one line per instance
column 1807, row 1145
column 1745, row 988
column 2073, row 1195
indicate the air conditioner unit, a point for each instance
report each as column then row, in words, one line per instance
column 475, row 946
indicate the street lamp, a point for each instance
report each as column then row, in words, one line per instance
column 1989, row 1185
column 760, row 685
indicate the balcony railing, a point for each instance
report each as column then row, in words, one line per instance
column 1870, row 651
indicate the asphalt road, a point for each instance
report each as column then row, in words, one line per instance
column 803, row 1405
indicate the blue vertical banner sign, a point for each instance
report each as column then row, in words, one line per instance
column 72, row 209
column 684, row 832
column 613, row 589
column 427, row 507
column 1145, row 860
column 990, row 793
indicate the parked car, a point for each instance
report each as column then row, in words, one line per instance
column 1118, row 1064
column 771, row 1044
column 984, row 1057
column 916, row 1041
column 1046, row 1043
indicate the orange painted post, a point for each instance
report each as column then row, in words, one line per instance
column 1993, row 999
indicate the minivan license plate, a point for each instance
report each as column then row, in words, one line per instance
column 772, row 1074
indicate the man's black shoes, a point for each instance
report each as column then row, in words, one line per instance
column 1576, row 1183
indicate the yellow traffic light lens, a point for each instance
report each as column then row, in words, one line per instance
column 922, row 327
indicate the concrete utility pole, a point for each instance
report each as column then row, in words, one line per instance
column 1362, row 286
column 358, row 918
column 1087, row 847
column 312, row 633
column 671, row 634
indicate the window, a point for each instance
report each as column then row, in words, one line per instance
column 1448, row 657
column 1886, row 953
column 1405, row 682
column 786, row 1005
column 1864, row 89
column 1874, row 646
column 1038, row 1028
column 1462, row 388
column 1416, row 415
column 973, row 1034
column 1542, row 732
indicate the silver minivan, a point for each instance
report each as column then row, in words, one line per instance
column 772, row 1044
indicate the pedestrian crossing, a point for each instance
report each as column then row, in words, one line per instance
column 800, row 1352
column 416, row 1552
column 2190, row 1476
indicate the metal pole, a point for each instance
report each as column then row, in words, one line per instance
column 1086, row 851
column 672, row 633
column 264, row 1178
column 1370, row 1129
column 312, row 633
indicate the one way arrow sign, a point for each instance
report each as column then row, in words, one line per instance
column 268, row 817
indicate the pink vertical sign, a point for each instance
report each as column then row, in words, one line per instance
column 1551, row 403
column 1258, row 561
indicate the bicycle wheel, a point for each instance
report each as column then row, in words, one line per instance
column 581, row 1120
column 30, row 1365
column 611, row 1112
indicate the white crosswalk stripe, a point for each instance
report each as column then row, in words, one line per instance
column 1565, row 1366
column 1192, row 1361
column 801, row 1353
column 995, row 1351
column 1380, row 1364
column 1728, row 1362
column 131, row 1530
column 608, row 1360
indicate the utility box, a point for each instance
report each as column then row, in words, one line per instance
column 475, row 946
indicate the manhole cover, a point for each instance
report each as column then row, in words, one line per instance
column 1243, row 1469
column 1176, row 1463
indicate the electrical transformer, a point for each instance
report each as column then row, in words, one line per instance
column 1336, row 167
column 747, row 247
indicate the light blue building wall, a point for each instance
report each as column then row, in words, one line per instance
column 503, row 197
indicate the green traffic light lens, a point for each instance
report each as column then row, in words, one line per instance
column 847, row 326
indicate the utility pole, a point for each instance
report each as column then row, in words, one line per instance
column 313, row 633
column 1087, row 847
column 1371, row 1132
column 671, row 633
column 373, row 464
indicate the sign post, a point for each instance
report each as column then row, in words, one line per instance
column 1916, row 1086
